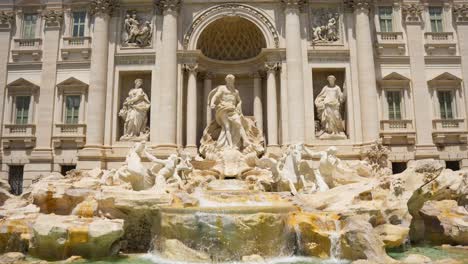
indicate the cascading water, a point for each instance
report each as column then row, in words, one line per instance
column 335, row 244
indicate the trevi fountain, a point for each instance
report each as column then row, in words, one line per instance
column 235, row 203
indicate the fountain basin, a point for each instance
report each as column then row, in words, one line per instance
column 228, row 233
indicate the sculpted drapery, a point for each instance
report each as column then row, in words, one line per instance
column 134, row 113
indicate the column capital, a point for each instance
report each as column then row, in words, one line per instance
column 460, row 12
column 360, row 5
column 256, row 75
column 191, row 67
column 53, row 17
column 208, row 75
column 412, row 13
column 102, row 7
column 292, row 4
column 271, row 67
column 7, row 18
column 168, row 6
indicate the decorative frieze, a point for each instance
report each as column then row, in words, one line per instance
column 144, row 59
column 53, row 17
column 325, row 25
column 7, row 18
column 412, row 13
column 460, row 12
column 102, row 7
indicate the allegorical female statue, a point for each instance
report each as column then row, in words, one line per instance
column 328, row 104
column 230, row 129
column 134, row 113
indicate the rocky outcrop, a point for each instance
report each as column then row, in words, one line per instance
column 445, row 222
column 313, row 232
column 392, row 235
column 360, row 241
column 12, row 258
column 175, row 250
column 57, row 237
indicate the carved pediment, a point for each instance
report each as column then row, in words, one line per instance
column 22, row 84
column 446, row 79
column 394, row 79
column 72, row 84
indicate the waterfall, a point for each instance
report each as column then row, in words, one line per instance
column 335, row 245
column 322, row 185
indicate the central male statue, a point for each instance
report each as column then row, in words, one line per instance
column 230, row 129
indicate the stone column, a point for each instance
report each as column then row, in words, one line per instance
column 366, row 72
column 207, row 86
column 53, row 19
column 461, row 20
column 414, row 28
column 167, row 125
column 191, row 105
column 257, row 103
column 272, row 104
column 295, row 82
column 95, row 119
column 7, row 19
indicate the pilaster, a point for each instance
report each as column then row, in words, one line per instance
column 460, row 13
column 192, row 70
column 414, row 22
column 272, row 104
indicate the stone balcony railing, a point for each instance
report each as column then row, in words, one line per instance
column 72, row 133
column 76, row 45
column 397, row 131
column 28, row 47
column 20, row 133
column 390, row 43
column 444, row 42
column 449, row 131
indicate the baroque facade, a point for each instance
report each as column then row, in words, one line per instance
column 81, row 79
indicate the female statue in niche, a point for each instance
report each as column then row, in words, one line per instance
column 134, row 113
column 328, row 104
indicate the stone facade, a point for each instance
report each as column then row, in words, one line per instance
column 66, row 67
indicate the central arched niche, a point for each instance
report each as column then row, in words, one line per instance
column 231, row 38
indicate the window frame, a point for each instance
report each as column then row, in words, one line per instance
column 400, row 92
column 81, row 24
column 77, row 112
column 15, row 110
column 386, row 17
column 32, row 29
column 439, row 20
column 453, row 104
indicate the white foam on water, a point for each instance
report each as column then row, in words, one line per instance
column 157, row 259
column 335, row 245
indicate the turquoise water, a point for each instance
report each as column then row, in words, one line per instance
column 435, row 253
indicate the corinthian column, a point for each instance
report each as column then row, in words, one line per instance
column 167, row 126
column 191, row 105
column 366, row 72
column 7, row 19
column 272, row 105
column 295, row 80
column 95, row 119
column 257, row 103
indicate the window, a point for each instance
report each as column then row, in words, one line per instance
column 79, row 23
column 15, row 178
column 453, row 165
column 29, row 26
column 435, row 14
column 386, row 18
column 66, row 168
column 394, row 105
column 445, row 104
column 72, row 108
column 22, row 109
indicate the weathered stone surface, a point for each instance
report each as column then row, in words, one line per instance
column 360, row 241
column 176, row 250
column 392, row 235
column 253, row 258
column 4, row 191
column 445, row 222
column 416, row 259
column 59, row 237
column 12, row 258
column 313, row 232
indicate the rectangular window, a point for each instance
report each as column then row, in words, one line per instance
column 435, row 14
column 72, row 108
column 394, row 105
column 79, row 23
column 386, row 18
column 445, row 104
column 15, row 178
column 29, row 26
column 22, row 109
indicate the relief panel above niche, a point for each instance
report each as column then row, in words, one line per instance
column 137, row 29
column 325, row 25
